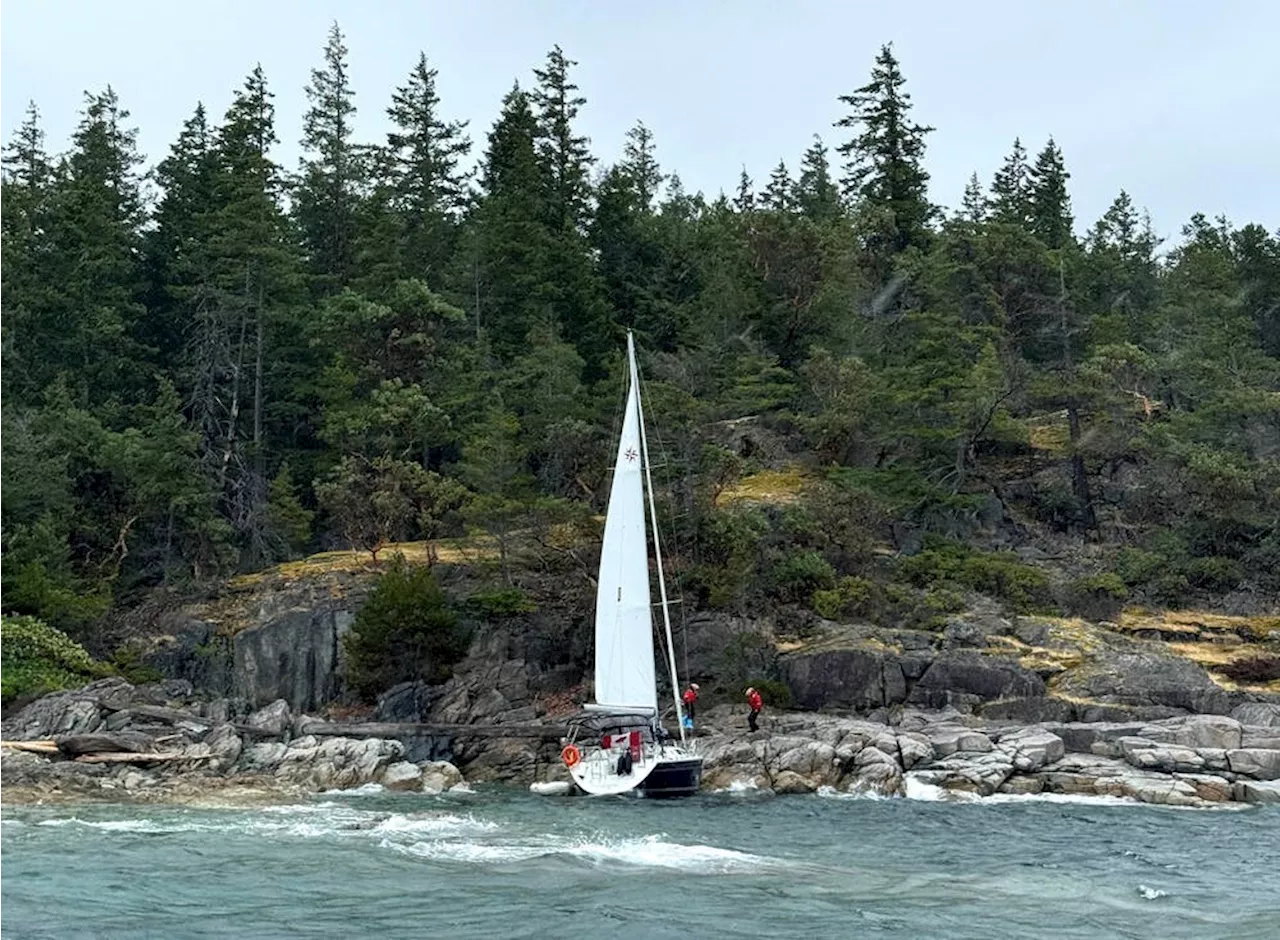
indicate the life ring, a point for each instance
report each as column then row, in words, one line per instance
column 570, row 755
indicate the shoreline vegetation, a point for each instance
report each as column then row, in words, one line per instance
column 1000, row 483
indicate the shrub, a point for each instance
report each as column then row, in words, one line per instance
column 999, row 574
column 1097, row 597
column 501, row 602
column 36, row 658
column 1137, row 566
column 1215, row 573
column 773, row 692
column 405, row 630
column 851, row 597
column 800, row 574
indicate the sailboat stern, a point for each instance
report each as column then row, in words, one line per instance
column 673, row 777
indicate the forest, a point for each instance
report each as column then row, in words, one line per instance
column 214, row 363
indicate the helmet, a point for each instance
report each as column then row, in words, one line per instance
column 694, row 686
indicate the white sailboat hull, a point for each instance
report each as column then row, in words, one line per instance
column 667, row 771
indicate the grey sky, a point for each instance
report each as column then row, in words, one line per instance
column 1165, row 99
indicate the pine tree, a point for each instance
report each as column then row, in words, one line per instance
column 511, row 244
column 884, row 162
column 96, row 224
column 1049, row 205
column 745, row 199
column 563, row 153
column 1011, row 189
column 778, row 194
column 639, row 162
column 332, row 174
column 816, row 194
column 974, row 208
column 427, row 187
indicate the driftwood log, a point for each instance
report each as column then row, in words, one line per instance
column 34, row 747
column 395, row 729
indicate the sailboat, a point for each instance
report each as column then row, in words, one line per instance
column 620, row 745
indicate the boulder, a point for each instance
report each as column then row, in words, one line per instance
column 1209, row 787
column 812, row 759
column 439, row 776
column 1146, row 678
column 963, row 634
column 1264, row 714
column 76, row 711
column 974, row 773
column 1265, row 738
column 402, row 775
column 1252, row 791
column 1213, row 731
column 960, row 673
column 1166, row 758
column 949, row 740
column 1255, row 762
column 845, row 678
column 272, row 720
column 884, row 779
column 1022, row 785
column 1030, row 749
column 225, row 745
column 914, row 749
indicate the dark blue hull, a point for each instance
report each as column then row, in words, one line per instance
column 673, row 779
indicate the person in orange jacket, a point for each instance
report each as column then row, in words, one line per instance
column 755, row 703
column 690, row 699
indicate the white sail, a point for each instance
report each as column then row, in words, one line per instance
column 624, row 632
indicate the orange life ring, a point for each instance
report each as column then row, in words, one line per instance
column 570, row 755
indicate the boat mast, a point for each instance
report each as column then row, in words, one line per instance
column 657, row 547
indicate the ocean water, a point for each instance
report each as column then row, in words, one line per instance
column 498, row 863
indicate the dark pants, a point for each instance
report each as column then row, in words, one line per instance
column 751, row 719
column 688, row 709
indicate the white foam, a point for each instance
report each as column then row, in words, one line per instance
column 743, row 788
column 1088, row 799
column 652, row 852
column 416, row 825
column 475, row 852
column 916, row 789
column 831, row 793
column 365, row 789
column 1150, row 894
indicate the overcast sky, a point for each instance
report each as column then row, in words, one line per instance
column 1165, row 98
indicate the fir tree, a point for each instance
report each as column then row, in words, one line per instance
column 564, row 154
column 1048, row 204
column 974, row 207
column 778, row 194
column 639, row 162
column 1011, row 189
column 816, row 195
column 744, row 200
column 884, row 162
column 331, row 182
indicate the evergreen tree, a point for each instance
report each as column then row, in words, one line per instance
column 428, row 188
column 511, row 244
column 884, row 161
column 564, row 154
column 88, row 332
column 1048, row 204
column 816, row 194
column 1011, row 189
column 745, row 199
column 974, row 207
column 778, row 194
column 332, row 177
column 640, row 164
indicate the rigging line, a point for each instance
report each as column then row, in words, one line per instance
column 657, row 545
column 673, row 536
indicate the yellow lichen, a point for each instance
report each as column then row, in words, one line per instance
column 767, row 486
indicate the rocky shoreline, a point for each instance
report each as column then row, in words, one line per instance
column 164, row 743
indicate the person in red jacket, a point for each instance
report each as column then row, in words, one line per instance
column 755, row 703
column 690, row 699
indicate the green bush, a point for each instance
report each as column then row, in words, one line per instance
column 999, row 574
column 501, row 602
column 1215, row 573
column 405, row 630
column 36, row 658
column 1137, row 566
column 851, row 597
column 773, row 692
column 1097, row 597
column 800, row 574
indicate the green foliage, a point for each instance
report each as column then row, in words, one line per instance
column 850, row 598
column 405, row 630
column 799, row 574
column 1215, row 574
column 1097, row 597
column 999, row 574
column 774, row 693
column 38, row 658
column 501, row 602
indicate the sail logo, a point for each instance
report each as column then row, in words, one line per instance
column 631, row 454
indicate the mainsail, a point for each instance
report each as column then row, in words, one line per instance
column 624, row 631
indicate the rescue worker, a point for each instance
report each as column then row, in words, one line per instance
column 755, row 703
column 690, row 699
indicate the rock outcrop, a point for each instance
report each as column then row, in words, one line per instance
column 160, row 742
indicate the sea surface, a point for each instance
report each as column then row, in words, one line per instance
column 496, row 863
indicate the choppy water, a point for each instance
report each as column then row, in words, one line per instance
column 499, row 864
